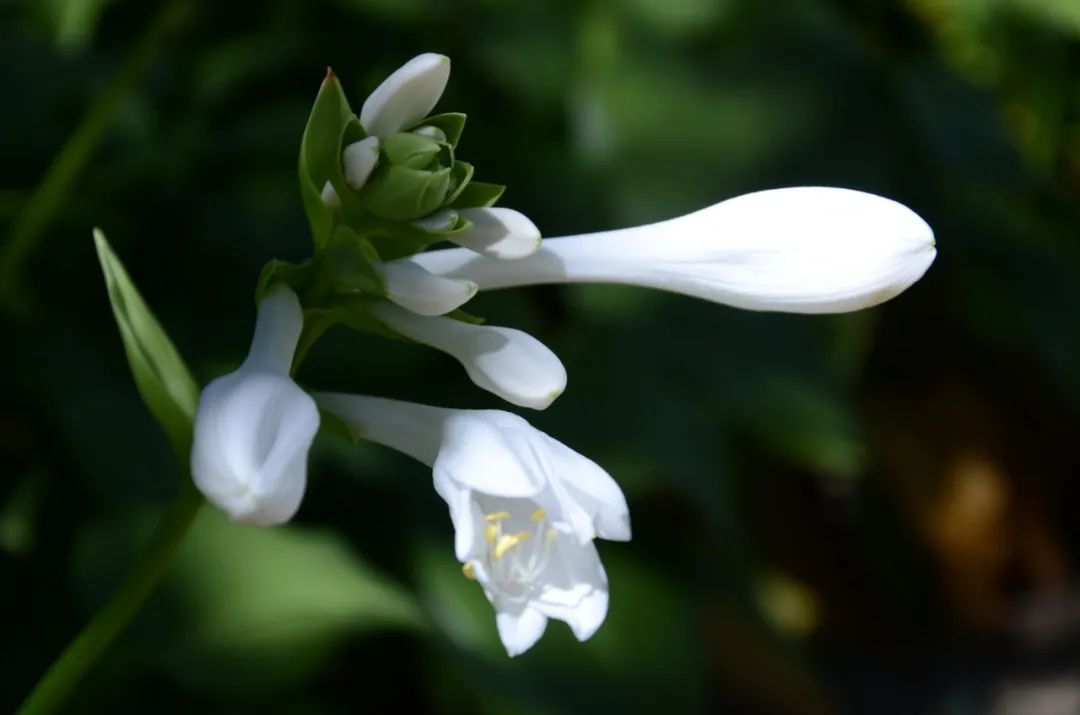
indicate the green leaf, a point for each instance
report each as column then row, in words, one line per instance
column 320, row 157
column 451, row 123
column 351, row 261
column 262, row 609
column 161, row 376
column 477, row 194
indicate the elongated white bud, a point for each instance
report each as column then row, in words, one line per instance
column 416, row 290
column 254, row 426
column 406, row 96
column 509, row 363
column 359, row 160
column 798, row 250
column 498, row 233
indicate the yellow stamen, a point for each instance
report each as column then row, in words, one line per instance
column 469, row 571
column 497, row 516
column 491, row 531
column 509, row 541
column 538, row 515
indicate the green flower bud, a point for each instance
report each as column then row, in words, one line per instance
column 405, row 194
column 410, row 150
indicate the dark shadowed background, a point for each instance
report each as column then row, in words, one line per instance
column 870, row 513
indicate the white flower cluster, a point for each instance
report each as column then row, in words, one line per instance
column 526, row 508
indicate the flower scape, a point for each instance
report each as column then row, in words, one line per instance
column 378, row 189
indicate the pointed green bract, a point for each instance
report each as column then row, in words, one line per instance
column 477, row 194
column 460, row 176
column 162, row 378
column 320, row 154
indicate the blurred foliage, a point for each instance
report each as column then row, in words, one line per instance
column 864, row 513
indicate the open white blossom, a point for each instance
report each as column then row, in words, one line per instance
column 406, row 96
column 509, row 363
column 798, row 250
column 254, row 426
column 525, row 508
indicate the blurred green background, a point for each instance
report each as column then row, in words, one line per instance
column 870, row 513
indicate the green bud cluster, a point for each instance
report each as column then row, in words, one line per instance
column 410, row 200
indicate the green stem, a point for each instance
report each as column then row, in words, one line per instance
column 73, row 156
column 57, row 683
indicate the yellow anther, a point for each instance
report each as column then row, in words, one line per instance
column 509, row 541
column 469, row 571
column 491, row 532
column 497, row 516
column 538, row 514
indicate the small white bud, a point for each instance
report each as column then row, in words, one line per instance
column 509, row 363
column 498, row 233
column 359, row 159
column 254, row 426
column 416, row 290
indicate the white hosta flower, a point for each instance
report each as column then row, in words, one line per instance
column 406, row 96
column 359, row 160
column 525, row 508
column 254, row 426
column 509, row 363
column 415, row 289
column 799, row 250
column 498, row 233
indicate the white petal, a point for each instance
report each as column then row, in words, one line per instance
column 584, row 483
column 406, row 96
column 464, row 515
column 509, row 363
column 329, row 196
column 575, row 589
column 519, row 628
column 252, row 434
column 359, row 160
column 800, row 250
column 490, row 459
column 418, row 291
column 498, row 233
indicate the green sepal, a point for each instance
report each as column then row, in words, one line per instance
column 163, row 380
column 451, row 123
column 350, row 262
column 404, row 194
column 477, row 194
column 460, row 175
column 461, row 315
column 320, row 155
column 331, row 424
column 410, row 150
column 297, row 276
